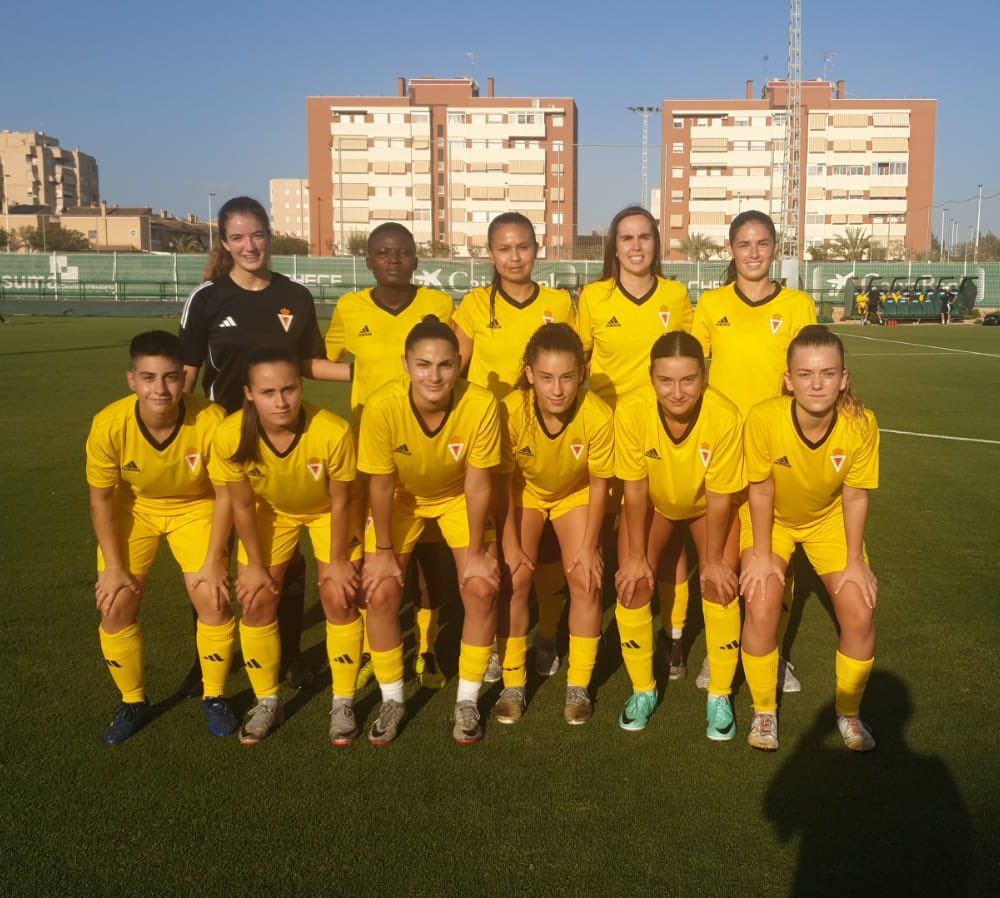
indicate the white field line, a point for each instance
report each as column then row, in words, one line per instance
column 991, row 355
column 895, row 355
column 939, row 436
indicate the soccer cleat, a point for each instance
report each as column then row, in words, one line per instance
column 857, row 736
column 128, row 720
column 511, row 705
column 578, row 708
column 221, row 719
column 190, row 686
column 721, row 723
column 467, row 730
column 428, row 672
column 388, row 724
column 297, row 674
column 638, row 710
column 678, row 669
column 787, row 681
column 343, row 727
column 366, row 671
column 494, row 670
column 546, row 657
column 262, row 720
column 763, row 733
column 704, row 675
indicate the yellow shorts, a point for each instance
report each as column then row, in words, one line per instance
column 279, row 535
column 552, row 508
column 187, row 534
column 409, row 521
column 825, row 542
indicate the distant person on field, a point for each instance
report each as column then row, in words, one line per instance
column 947, row 299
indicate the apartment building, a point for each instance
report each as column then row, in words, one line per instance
column 290, row 206
column 444, row 160
column 36, row 171
column 864, row 164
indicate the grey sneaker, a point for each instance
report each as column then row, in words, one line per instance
column 494, row 671
column 578, row 709
column 701, row 681
column 763, row 733
column 467, row 730
column 343, row 727
column 855, row 732
column 787, row 681
column 388, row 724
column 546, row 657
column 263, row 719
column 511, row 705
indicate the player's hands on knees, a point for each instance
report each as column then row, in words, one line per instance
column 250, row 582
column 380, row 565
column 514, row 557
column 340, row 580
column 110, row 582
column 758, row 570
column 214, row 574
column 590, row 560
column 631, row 572
column 717, row 578
column 862, row 576
column 481, row 564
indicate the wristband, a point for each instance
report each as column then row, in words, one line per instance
column 384, row 548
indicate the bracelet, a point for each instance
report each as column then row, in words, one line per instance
column 384, row 548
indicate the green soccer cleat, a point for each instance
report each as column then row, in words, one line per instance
column 638, row 709
column 721, row 723
column 428, row 673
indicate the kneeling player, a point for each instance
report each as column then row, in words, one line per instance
column 147, row 457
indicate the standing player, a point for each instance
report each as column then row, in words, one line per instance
column 558, row 443
column 372, row 325
column 811, row 459
column 746, row 326
column 678, row 448
column 429, row 444
column 493, row 325
column 147, row 457
column 289, row 465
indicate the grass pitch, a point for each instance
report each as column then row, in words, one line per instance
column 538, row 808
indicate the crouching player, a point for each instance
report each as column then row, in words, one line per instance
column 811, row 457
column 147, row 469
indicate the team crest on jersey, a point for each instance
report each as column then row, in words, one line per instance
column 547, row 317
column 192, row 457
column 665, row 316
column 776, row 321
column 285, row 316
column 705, row 452
column 456, row 446
column 315, row 467
column 838, row 458
column 576, row 447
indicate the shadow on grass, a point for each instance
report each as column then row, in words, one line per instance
column 890, row 822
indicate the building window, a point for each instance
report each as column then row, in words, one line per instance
column 813, row 170
column 456, row 118
column 440, row 166
column 741, row 146
column 558, row 121
column 852, row 170
column 889, row 168
column 557, row 218
column 557, row 168
column 557, row 146
column 495, row 118
column 678, row 123
column 526, row 118
column 741, row 121
column 757, row 145
column 677, row 148
column 677, row 173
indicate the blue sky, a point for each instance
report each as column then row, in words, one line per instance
column 180, row 99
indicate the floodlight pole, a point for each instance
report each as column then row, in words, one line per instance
column 645, row 112
column 979, row 212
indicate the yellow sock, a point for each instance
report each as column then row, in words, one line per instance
column 852, row 678
column 550, row 585
column 678, row 616
column 787, row 599
column 388, row 665
column 582, row 658
column 343, row 648
column 761, row 672
column 366, row 647
column 427, row 629
column 722, row 640
column 123, row 653
column 262, row 657
column 215, row 649
column 473, row 661
column 635, row 626
column 513, row 653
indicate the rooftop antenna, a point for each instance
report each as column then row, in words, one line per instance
column 828, row 57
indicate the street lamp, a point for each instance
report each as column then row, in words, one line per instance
column 319, row 227
column 941, row 247
column 210, row 223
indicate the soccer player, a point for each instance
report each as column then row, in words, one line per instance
column 429, row 443
column 147, row 457
column 243, row 305
column 678, row 449
column 558, row 442
column 746, row 326
column 621, row 315
column 289, row 465
column 493, row 325
column 811, row 457
column 372, row 325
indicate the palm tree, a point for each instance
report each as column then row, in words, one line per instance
column 187, row 244
column 699, row 248
column 854, row 245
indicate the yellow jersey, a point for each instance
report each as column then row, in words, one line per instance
column 619, row 330
column 498, row 341
column 161, row 478
column 296, row 482
column 553, row 466
column 374, row 334
column 809, row 477
column 708, row 456
column 430, row 465
column 747, row 341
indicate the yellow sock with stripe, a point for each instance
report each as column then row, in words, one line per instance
column 124, row 655
column 427, row 629
column 366, row 648
column 582, row 658
column 389, row 672
column 787, row 600
column 472, row 663
column 262, row 657
column 550, row 582
column 852, row 678
column 216, row 646
column 761, row 672
column 343, row 648
column 513, row 654
column 722, row 640
column 635, row 627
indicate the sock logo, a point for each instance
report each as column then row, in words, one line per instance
column 705, row 453
column 456, row 446
column 403, row 449
column 365, row 331
column 131, row 467
column 343, row 659
column 254, row 664
column 192, row 457
column 285, row 316
column 215, row 656
column 614, row 322
column 723, row 322
column 653, row 454
column 315, row 467
column 838, row 458
column 775, row 322
column 730, row 646
column 664, row 314
column 783, row 461
column 631, row 644
column 111, row 663
column 576, row 447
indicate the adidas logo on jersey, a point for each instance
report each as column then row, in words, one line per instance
column 783, row 461
column 131, row 467
column 494, row 324
column 614, row 322
column 403, row 449
column 723, row 322
column 526, row 450
column 255, row 472
column 653, row 454
column 365, row 331
column 228, row 321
